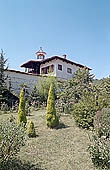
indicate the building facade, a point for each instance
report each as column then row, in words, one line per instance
column 58, row 66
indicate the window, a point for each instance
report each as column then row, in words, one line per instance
column 59, row 67
column 69, row 70
column 52, row 68
column 44, row 70
column 48, row 69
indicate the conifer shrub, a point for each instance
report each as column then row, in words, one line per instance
column 52, row 120
column 31, row 130
column 21, row 112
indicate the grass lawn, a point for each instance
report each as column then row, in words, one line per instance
column 57, row 149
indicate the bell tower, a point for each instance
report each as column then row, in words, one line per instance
column 40, row 54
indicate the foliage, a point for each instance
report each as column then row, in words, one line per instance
column 12, row 139
column 71, row 91
column 39, row 94
column 17, row 164
column 2, row 77
column 31, row 130
column 65, row 98
column 52, row 120
column 100, row 141
column 4, row 107
column 85, row 110
column 27, row 109
column 14, row 107
column 21, row 111
column 103, row 93
column 35, row 98
column 49, row 141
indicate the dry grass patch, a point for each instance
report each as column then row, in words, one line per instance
column 64, row 148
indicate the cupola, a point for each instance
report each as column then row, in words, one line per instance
column 40, row 54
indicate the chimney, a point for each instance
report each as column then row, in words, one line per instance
column 64, row 56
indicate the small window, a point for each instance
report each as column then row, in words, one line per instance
column 69, row 70
column 59, row 67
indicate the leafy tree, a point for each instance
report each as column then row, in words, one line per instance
column 82, row 81
column 85, row 110
column 71, row 91
column 52, row 120
column 104, row 93
column 2, row 77
column 39, row 93
column 65, row 96
column 35, row 97
column 21, row 111
column 44, row 85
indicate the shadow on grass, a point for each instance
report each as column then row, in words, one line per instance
column 61, row 126
column 19, row 165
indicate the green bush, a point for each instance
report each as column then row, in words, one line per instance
column 85, row 110
column 100, row 141
column 31, row 130
column 16, row 164
column 12, row 137
column 102, row 123
column 52, row 120
column 21, row 112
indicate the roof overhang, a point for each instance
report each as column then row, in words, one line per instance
column 64, row 60
column 30, row 64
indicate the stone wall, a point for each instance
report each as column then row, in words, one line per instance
column 16, row 78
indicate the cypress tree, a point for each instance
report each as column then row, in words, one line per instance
column 21, row 111
column 2, row 76
column 52, row 119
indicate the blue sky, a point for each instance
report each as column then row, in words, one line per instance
column 78, row 28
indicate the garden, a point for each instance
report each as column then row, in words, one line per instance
column 62, row 125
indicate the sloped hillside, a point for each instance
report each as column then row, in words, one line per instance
column 64, row 148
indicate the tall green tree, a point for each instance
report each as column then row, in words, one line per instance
column 81, row 81
column 52, row 119
column 85, row 110
column 21, row 112
column 104, row 93
column 2, row 76
column 71, row 91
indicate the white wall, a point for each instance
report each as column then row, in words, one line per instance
column 17, row 78
column 58, row 73
column 64, row 74
column 49, row 64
